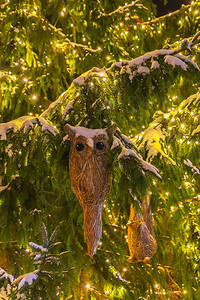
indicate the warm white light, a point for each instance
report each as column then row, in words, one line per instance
column 124, row 269
column 87, row 286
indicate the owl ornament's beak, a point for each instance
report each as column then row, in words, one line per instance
column 90, row 144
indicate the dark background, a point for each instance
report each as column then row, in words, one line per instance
column 170, row 6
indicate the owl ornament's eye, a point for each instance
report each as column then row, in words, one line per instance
column 79, row 147
column 100, row 146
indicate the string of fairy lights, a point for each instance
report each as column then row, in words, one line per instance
column 140, row 28
column 151, row 27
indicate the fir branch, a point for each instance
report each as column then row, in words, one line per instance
column 161, row 18
column 123, row 9
column 18, row 262
column 44, row 236
column 67, row 40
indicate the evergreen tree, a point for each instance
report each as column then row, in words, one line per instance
column 142, row 86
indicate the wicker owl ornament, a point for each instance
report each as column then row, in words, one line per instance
column 141, row 241
column 90, row 176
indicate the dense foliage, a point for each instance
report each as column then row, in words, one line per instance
column 46, row 46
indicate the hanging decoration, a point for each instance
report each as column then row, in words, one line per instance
column 141, row 242
column 90, row 176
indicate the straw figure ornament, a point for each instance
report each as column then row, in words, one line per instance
column 141, row 242
column 90, row 177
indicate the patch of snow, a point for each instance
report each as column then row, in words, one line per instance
column 155, row 64
column 148, row 167
column 4, row 275
column 86, row 132
column 38, row 256
column 175, row 61
column 152, row 140
column 127, row 152
column 9, row 151
column 50, row 128
column 26, row 278
column 81, row 79
column 68, row 107
column 140, row 60
column 190, row 164
column 29, row 124
column 143, row 164
column 187, row 60
column 24, row 123
column 126, row 139
column 116, row 143
column 38, row 247
column 52, row 105
column 14, row 125
column 143, row 70
column 41, row 121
